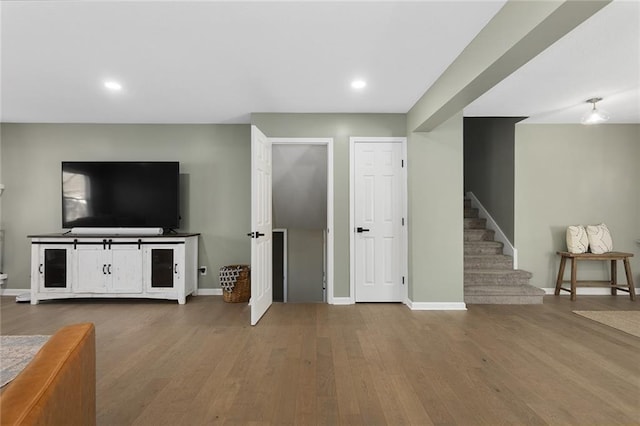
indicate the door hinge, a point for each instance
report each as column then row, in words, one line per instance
column 402, row 163
column 403, row 221
column 402, row 280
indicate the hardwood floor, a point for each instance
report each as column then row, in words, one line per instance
column 201, row 363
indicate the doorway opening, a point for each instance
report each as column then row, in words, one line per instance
column 302, row 219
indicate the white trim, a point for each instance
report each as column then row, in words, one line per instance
column 285, row 255
column 437, row 306
column 585, row 291
column 343, row 301
column 404, row 261
column 500, row 236
column 13, row 291
column 330, row 230
column 208, row 292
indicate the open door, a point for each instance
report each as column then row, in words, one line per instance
column 261, row 225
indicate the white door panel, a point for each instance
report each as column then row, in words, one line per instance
column 261, row 225
column 378, row 220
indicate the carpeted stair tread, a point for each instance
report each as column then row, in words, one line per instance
column 470, row 212
column 478, row 235
column 482, row 247
column 501, row 277
column 475, row 223
column 490, row 261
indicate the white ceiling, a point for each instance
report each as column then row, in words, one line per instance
column 600, row 58
column 216, row 62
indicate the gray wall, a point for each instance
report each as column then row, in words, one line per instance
column 214, row 164
column 305, row 247
column 436, row 213
column 299, row 185
column 575, row 175
column 488, row 166
column 339, row 127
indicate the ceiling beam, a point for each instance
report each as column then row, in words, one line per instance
column 515, row 35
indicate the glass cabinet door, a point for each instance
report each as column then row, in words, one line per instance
column 55, row 268
column 162, row 268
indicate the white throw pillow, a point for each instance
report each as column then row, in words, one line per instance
column 577, row 240
column 599, row 238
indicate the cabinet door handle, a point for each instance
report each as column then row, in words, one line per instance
column 40, row 267
column 175, row 269
column 109, row 269
column 104, row 271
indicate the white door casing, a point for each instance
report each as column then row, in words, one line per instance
column 378, row 220
column 261, row 226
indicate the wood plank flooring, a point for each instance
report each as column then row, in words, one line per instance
column 160, row 363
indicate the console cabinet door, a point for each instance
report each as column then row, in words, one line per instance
column 125, row 269
column 164, row 265
column 92, row 268
column 54, row 268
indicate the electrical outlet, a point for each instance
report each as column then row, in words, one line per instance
column 203, row 270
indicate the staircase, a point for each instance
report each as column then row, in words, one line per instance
column 489, row 277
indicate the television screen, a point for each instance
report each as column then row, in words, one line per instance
column 120, row 194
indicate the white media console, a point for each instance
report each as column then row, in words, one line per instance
column 133, row 266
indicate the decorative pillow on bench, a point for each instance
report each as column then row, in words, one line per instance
column 577, row 240
column 599, row 238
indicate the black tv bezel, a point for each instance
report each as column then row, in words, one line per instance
column 166, row 227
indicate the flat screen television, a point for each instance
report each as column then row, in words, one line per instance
column 120, row 194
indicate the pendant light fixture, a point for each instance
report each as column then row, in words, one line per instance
column 594, row 116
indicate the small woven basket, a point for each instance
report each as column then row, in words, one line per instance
column 241, row 291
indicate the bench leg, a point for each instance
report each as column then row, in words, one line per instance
column 574, row 266
column 627, row 270
column 563, row 261
column 614, row 277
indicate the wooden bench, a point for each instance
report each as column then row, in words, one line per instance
column 613, row 257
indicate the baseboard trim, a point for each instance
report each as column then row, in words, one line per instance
column 586, row 291
column 436, row 306
column 13, row 291
column 342, row 301
column 208, row 292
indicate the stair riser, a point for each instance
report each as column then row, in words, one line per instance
column 478, row 235
column 475, row 223
column 488, row 263
column 503, row 300
column 467, row 203
column 480, row 251
column 470, row 212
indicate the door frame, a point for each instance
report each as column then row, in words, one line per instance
column 285, row 269
column 330, row 230
column 404, row 255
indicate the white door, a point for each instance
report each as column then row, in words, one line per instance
column 261, row 226
column 378, row 207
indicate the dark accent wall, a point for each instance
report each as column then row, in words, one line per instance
column 489, row 144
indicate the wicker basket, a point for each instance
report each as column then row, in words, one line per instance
column 242, row 290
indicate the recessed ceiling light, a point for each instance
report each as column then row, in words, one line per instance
column 113, row 85
column 358, row 84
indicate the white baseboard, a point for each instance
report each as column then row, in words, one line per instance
column 343, row 301
column 436, row 306
column 208, row 292
column 13, row 291
column 586, row 291
column 500, row 236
